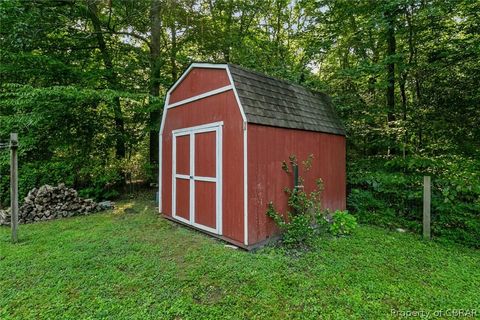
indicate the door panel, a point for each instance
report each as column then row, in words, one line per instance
column 197, row 176
column 206, row 154
column 182, row 203
column 183, row 154
column 205, row 204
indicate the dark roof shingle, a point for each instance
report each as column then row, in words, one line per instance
column 274, row 102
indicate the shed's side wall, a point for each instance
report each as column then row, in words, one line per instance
column 268, row 147
column 220, row 107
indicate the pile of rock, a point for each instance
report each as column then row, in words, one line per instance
column 5, row 216
column 48, row 202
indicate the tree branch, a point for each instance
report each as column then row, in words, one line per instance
column 133, row 35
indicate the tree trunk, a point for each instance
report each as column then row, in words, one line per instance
column 228, row 34
column 173, row 52
column 405, row 73
column 155, row 64
column 391, row 51
column 403, row 80
column 111, row 78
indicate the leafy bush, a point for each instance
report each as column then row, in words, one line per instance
column 297, row 224
column 389, row 193
column 68, row 134
column 343, row 223
column 305, row 217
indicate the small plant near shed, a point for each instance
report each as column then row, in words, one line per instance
column 305, row 218
column 298, row 224
column 343, row 223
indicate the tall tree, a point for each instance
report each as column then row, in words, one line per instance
column 390, row 17
column 155, row 67
column 110, row 75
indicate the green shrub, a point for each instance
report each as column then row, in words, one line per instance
column 297, row 224
column 305, row 218
column 296, row 230
column 69, row 134
column 389, row 193
column 343, row 223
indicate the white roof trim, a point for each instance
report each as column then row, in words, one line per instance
column 185, row 73
column 242, row 111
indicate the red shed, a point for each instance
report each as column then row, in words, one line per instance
column 225, row 132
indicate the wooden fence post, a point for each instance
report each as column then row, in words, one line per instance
column 14, row 185
column 426, row 207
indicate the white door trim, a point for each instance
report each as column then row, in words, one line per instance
column 191, row 132
column 211, row 125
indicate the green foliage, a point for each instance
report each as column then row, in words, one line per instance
column 119, row 265
column 305, row 219
column 66, row 134
column 77, row 90
column 299, row 225
column 297, row 230
column 343, row 223
column 75, row 124
column 98, row 193
column 390, row 194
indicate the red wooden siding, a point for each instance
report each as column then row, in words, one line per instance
column 205, row 200
column 220, row 107
column 198, row 81
column 267, row 148
column 183, row 198
column 183, row 155
column 205, row 154
column 205, row 166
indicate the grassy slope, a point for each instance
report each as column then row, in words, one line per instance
column 122, row 265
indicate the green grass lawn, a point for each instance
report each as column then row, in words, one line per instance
column 132, row 264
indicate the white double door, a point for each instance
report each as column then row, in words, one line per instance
column 197, row 176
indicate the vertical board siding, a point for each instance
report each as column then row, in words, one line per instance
column 268, row 147
column 182, row 206
column 220, row 107
column 183, row 155
column 205, row 203
column 205, row 154
column 198, row 81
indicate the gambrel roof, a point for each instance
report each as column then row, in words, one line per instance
column 278, row 103
column 269, row 101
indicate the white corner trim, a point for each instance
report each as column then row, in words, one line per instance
column 245, row 160
column 200, row 96
column 160, row 164
column 245, row 185
column 160, row 159
column 219, row 173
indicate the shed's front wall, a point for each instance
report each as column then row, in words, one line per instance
column 198, row 81
column 268, row 147
column 219, row 107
